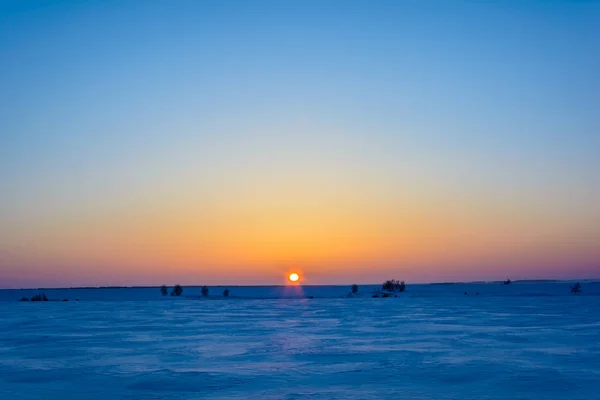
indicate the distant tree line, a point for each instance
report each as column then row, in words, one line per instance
column 37, row 297
column 178, row 291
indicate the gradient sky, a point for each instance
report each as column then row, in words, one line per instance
column 206, row 142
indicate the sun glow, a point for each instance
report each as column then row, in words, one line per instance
column 294, row 277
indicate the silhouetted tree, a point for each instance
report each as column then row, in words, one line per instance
column 164, row 290
column 24, row 299
column 507, row 282
column 177, row 290
column 393, row 286
column 576, row 288
column 226, row 292
column 204, row 291
column 388, row 285
column 354, row 288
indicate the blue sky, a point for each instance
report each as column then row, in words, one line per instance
column 487, row 106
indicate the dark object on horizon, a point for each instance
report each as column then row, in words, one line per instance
column 385, row 295
column 375, row 296
column 576, row 288
column 204, row 291
column 477, row 294
column 354, row 288
column 164, row 290
column 24, row 299
column 177, row 290
column 507, row 282
column 226, row 292
column 394, row 286
column 65, row 299
column 39, row 297
column 465, row 292
column 310, row 297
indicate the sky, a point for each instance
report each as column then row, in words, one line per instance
column 230, row 142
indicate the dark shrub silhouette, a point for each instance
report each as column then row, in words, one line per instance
column 507, row 282
column 24, row 299
column 226, row 292
column 177, row 290
column 164, row 290
column 39, row 297
column 576, row 288
column 204, row 291
column 393, row 286
column 354, row 288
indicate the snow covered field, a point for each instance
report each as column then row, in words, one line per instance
column 520, row 341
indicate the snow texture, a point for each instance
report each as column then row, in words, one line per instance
column 519, row 341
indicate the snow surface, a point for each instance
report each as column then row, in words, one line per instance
column 519, row 341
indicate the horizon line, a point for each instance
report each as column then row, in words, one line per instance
column 363, row 284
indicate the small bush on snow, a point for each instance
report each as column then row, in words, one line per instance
column 39, row 297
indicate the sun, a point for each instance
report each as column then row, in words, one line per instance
column 294, row 277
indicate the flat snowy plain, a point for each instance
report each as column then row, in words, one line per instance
column 519, row 341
